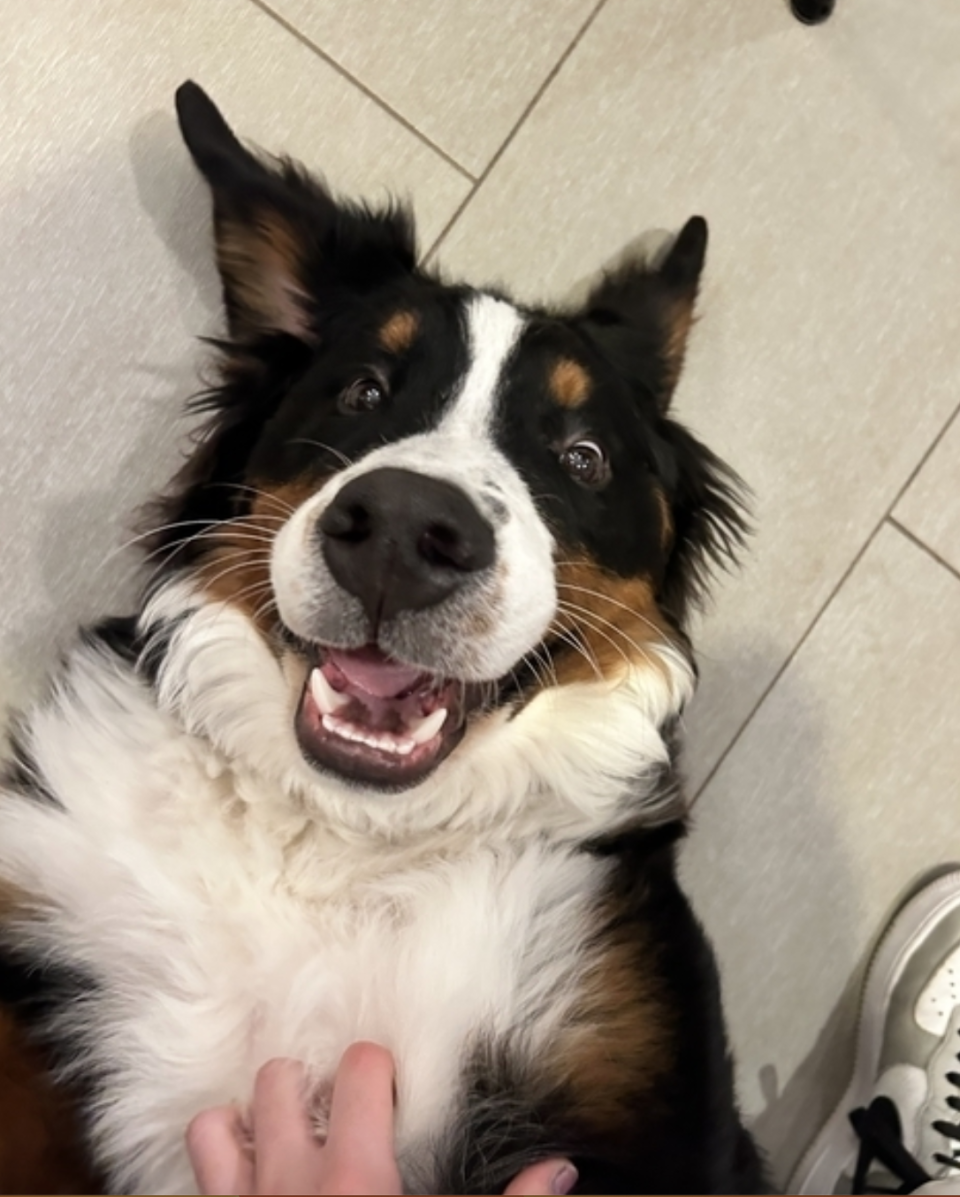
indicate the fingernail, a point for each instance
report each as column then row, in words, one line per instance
column 564, row 1180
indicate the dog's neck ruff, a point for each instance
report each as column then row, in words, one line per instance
column 577, row 761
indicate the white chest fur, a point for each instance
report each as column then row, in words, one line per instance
column 227, row 927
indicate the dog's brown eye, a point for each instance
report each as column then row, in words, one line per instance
column 586, row 463
column 366, row 394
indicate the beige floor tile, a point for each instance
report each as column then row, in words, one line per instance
column 842, row 790
column 828, row 354
column 461, row 71
column 107, row 274
column 931, row 507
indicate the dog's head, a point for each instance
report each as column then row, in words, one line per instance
column 429, row 535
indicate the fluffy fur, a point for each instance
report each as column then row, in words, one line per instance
column 221, row 870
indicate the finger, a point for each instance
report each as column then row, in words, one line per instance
column 549, row 1176
column 287, row 1156
column 361, row 1122
column 219, row 1151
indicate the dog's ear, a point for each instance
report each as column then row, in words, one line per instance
column 652, row 307
column 285, row 248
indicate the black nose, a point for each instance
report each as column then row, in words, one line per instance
column 400, row 541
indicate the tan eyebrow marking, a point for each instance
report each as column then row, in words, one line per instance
column 569, row 383
column 399, row 331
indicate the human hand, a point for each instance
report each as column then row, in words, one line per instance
column 277, row 1152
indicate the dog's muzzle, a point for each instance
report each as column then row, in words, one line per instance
column 401, row 541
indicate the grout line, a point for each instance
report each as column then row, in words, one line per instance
column 905, row 531
column 535, row 99
column 788, row 661
column 367, row 91
column 887, row 516
column 923, row 460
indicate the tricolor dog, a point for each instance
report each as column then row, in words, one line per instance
column 388, row 749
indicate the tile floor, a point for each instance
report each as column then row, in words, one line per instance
column 537, row 138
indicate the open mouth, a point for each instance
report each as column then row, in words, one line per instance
column 376, row 720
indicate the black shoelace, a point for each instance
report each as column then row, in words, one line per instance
column 950, row 1129
column 881, row 1139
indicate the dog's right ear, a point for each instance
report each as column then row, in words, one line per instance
column 285, row 248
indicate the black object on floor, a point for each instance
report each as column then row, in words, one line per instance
column 812, row 12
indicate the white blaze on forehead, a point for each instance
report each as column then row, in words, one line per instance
column 520, row 600
column 493, row 329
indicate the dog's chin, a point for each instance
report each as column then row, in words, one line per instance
column 378, row 723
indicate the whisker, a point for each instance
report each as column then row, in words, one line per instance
column 618, row 648
column 219, row 535
column 580, row 647
column 536, row 669
column 264, row 608
column 206, row 528
column 546, row 666
column 212, row 533
column 225, row 573
column 305, row 440
column 128, row 544
column 598, row 594
column 257, row 493
column 591, row 619
column 254, row 591
column 516, row 681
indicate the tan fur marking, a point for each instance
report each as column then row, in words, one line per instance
column 397, row 335
column 237, row 568
column 680, row 320
column 39, row 1135
column 569, row 383
column 262, row 263
column 12, row 898
column 666, row 519
column 613, row 621
column 619, row 1039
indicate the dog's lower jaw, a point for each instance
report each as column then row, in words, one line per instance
column 574, row 762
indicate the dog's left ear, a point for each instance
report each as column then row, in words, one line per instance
column 287, row 251
column 655, row 305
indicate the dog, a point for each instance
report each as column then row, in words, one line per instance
column 389, row 749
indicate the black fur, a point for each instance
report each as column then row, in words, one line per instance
column 21, row 774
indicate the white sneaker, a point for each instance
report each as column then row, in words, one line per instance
column 898, row 1123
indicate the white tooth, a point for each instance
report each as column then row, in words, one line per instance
column 428, row 726
column 399, row 747
column 384, row 742
column 324, row 695
column 341, row 728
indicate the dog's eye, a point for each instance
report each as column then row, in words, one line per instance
column 586, row 463
column 366, row 394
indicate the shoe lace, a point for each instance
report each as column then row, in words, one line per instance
column 878, row 1128
column 950, row 1130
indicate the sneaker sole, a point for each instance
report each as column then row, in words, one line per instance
column 834, row 1150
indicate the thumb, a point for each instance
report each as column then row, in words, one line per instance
column 549, row 1176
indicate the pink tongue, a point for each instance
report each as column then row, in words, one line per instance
column 367, row 669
